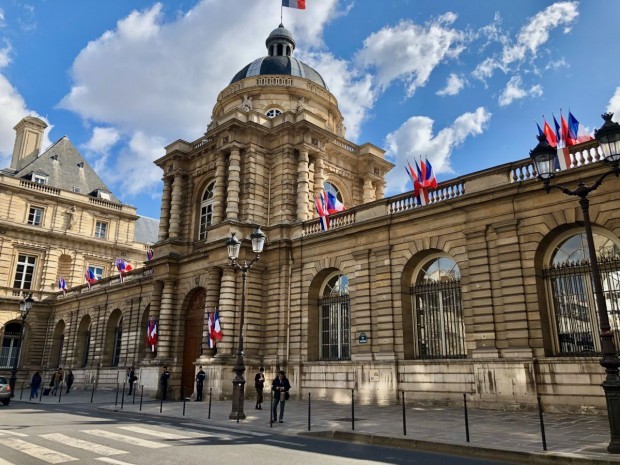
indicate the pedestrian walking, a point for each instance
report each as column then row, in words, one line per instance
column 131, row 378
column 200, row 380
column 57, row 379
column 70, row 379
column 35, row 384
column 163, row 381
column 259, row 384
column 280, row 386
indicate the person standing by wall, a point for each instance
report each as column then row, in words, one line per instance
column 58, row 377
column 280, row 388
column 259, row 384
column 163, row 381
column 35, row 384
column 131, row 378
column 200, row 380
column 70, row 379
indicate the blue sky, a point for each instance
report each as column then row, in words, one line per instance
column 461, row 83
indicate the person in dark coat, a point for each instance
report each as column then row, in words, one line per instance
column 280, row 388
column 35, row 384
column 131, row 378
column 70, row 379
column 57, row 381
column 200, row 380
column 259, row 384
column 163, row 381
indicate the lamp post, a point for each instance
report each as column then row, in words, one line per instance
column 25, row 306
column 234, row 245
column 543, row 155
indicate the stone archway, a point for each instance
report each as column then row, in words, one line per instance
column 192, row 346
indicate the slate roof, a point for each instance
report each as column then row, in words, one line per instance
column 282, row 65
column 147, row 230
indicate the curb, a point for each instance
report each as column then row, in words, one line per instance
column 461, row 449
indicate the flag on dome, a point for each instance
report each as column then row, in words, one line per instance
column 62, row 285
column 90, row 276
column 299, row 4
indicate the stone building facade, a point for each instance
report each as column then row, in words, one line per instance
column 485, row 291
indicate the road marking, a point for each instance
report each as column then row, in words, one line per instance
column 285, row 442
column 126, row 439
column 38, row 452
column 80, row 444
column 116, row 462
column 13, row 433
column 158, row 434
column 231, row 430
column 27, row 410
column 4, row 462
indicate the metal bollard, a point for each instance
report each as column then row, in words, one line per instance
column 404, row 416
column 92, row 393
column 123, row 397
column 116, row 399
column 21, row 394
column 141, row 395
column 183, row 395
column 353, row 409
column 41, row 392
column 60, row 395
column 466, row 418
column 271, row 410
column 309, row 408
column 161, row 402
column 542, row 424
column 210, row 393
column 133, row 401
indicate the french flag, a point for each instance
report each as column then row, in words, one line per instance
column 333, row 204
column 216, row 331
column 151, row 333
column 299, row 4
column 123, row 267
column 414, row 179
column 319, row 204
column 90, row 276
column 149, row 254
column 62, row 285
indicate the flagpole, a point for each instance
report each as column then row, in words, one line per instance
column 281, row 9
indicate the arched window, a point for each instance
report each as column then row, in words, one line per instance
column 437, row 310
column 10, row 344
column 568, row 280
column 83, row 341
column 58, row 344
column 206, row 211
column 113, row 338
column 118, row 338
column 332, row 189
column 335, row 310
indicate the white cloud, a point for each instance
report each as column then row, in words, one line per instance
column 415, row 138
column 614, row 105
column 102, row 140
column 2, row 24
column 454, row 85
column 514, row 91
column 410, row 52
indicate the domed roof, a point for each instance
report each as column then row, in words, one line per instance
column 280, row 46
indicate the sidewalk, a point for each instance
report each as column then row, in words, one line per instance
column 509, row 436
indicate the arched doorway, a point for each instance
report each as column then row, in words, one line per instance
column 58, row 342
column 192, row 347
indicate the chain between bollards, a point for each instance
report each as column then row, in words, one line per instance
column 141, row 395
column 466, row 418
column 210, row 393
column 353, row 409
column 309, row 408
column 542, row 424
column 404, row 415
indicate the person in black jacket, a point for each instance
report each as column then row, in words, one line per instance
column 163, row 380
column 35, row 384
column 200, row 381
column 70, row 379
column 131, row 378
column 280, row 388
column 259, row 384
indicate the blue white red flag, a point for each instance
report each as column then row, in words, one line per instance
column 216, row 332
column 123, row 267
column 414, row 178
column 62, row 285
column 319, row 204
column 151, row 334
column 431, row 180
column 149, row 254
column 564, row 160
column 90, row 276
column 299, row 4
column 333, row 204
column 576, row 132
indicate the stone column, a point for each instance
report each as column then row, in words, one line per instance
column 164, row 220
column 369, row 192
column 175, row 207
column 379, row 189
column 219, row 196
column 154, row 309
column 303, row 172
column 319, row 173
column 234, row 181
column 165, row 327
column 228, row 311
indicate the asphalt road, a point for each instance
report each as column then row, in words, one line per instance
column 35, row 434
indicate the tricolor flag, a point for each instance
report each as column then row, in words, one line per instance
column 333, row 204
column 414, row 179
column 299, row 4
column 575, row 132
column 319, row 204
column 151, row 334
column 210, row 341
column 149, row 254
column 561, row 133
column 62, row 285
column 430, row 181
column 123, row 267
column 216, row 330
column 90, row 276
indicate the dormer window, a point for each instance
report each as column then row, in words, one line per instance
column 39, row 179
column 105, row 195
column 273, row 112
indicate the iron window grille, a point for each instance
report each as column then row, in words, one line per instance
column 335, row 328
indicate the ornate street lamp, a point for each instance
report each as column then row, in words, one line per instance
column 234, row 245
column 25, row 306
column 543, row 155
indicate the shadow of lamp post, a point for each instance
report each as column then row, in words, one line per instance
column 234, row 245
column 543, row 155
column 25, row 306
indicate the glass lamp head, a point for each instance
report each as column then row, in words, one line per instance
column 543, row 156
column 258, row 241
column 608, row 137
column 233, row 245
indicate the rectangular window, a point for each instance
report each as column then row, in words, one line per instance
column 335, row 333
column 39, row 179
column 97, row 271
column 24, row 272
column 35, row 216
column 76, row 189
column 101, row 229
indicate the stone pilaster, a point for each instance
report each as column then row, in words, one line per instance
column 303, row 173
column 234, row 180
column 164, row 221
column 219, row 195
column 369, row 192
column 165, row 327
column 175, row 207
column 379, row 189
column 319, row 173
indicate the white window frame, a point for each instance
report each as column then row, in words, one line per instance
column 101, row 229
column 39, row 179
column 97, row 271
column 35, row 215
column 206, row 211
column 28, row 264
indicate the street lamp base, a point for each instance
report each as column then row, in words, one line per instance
column 237, row 400
column 612, row 396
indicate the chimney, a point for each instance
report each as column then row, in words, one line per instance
column 27, row 141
